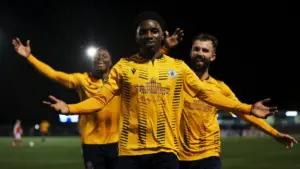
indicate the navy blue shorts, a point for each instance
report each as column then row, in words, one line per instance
column 100, row 156
column 206, row 163
column 149, row 161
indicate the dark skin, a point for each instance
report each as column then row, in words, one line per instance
column 149, row 36
column 101, row 64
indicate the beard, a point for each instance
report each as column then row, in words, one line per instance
column 202, row 67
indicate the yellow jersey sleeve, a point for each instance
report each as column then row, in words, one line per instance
column 195, row 87
column 68, row 80
column 257, row 122
column 106, row 93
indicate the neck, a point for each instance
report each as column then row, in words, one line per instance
column 203, row 75
column 100, row 75
column 150, row 55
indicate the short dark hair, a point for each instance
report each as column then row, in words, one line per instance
column 207, row 37
column 100, row 47
column 103, row 48
column 150, row 15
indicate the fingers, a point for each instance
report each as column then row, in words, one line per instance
column 267, row 115
column 179, row 34
column 271, row 109
column 28, row 43
column 176, row 31
column 295, row 141
column 291, row 139
column 287, row 140
column 167, row 34
column 15, row 43
column 266, row 100
column 51, row 105
column 19, row 42
column 288, row 145
column 48, row 103
column 54, row 99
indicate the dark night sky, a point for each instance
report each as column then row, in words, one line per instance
column 254, row 57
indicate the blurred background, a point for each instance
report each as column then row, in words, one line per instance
column 256, row 58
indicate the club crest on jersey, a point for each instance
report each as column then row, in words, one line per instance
column 172, row 73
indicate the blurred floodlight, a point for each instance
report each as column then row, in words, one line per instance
column 291, row 113
column 91, row 51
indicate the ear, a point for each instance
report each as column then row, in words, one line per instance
column 213, row 57
column 137, row 35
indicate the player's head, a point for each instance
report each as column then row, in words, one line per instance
column 102, row 60
column 149, row 32
column 203, row 51
column 18, row 121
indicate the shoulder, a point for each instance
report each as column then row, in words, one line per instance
column 174, row 60
column 220, row 85
column 135, row 58
column 77, row 77
column 80, row 75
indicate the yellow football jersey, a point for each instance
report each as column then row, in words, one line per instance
column 199, row 128
column 100, row 127
column 152, row 101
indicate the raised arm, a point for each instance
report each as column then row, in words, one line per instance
column 95, row 103
column 172, row 41
column 68, row 80
column 195, row 87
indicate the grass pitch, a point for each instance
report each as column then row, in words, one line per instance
column 65, row 153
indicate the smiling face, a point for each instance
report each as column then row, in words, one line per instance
column 202, row 54
column 102, row 60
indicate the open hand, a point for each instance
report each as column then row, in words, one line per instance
column 172, row 41
column 59, row 105
column 287, row 140
column 21, row 49
column 261, row 111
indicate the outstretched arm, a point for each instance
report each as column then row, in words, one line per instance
column 257, row 122
column 95, row 103
column 195, row 87
column 261, row 124
column 90, row 105
column 68, row 80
